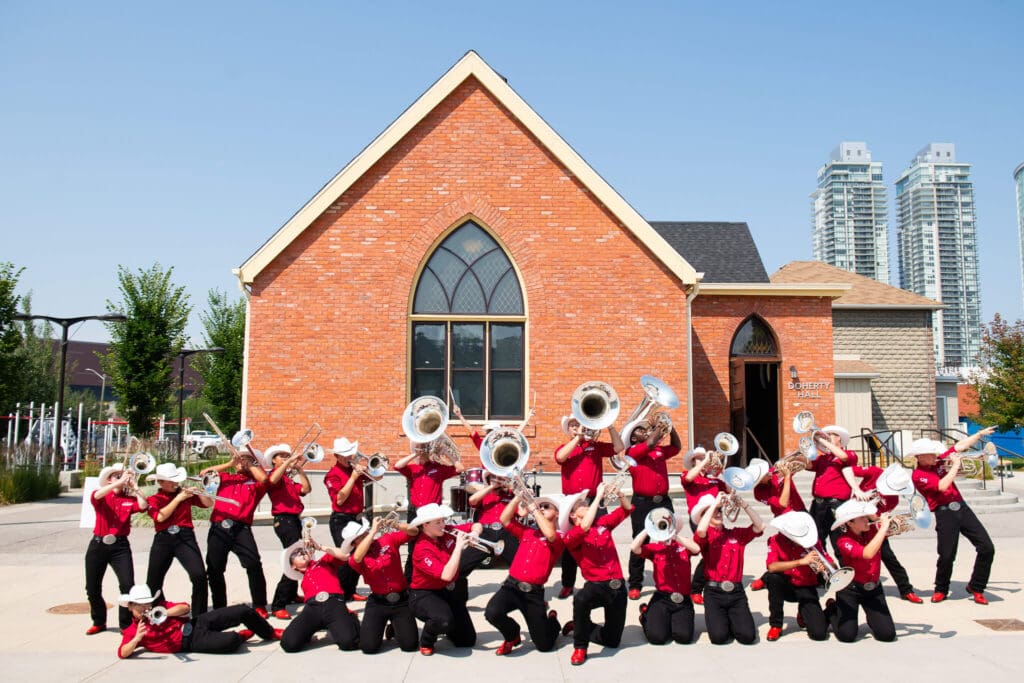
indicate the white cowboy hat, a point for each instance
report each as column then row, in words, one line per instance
column 107, row 473
column 168, row 471
column 691, row 454
column 277, row 449
column 894, row 481
column 430, row 512
column 927, row 447
column 139, row 594
column 565, row 507
column 286, row 561
column 566, row 419
column 797, row 526
column 758, row 467
column 344, row 447
column 844, row 436
column 852, row 509
column 705, row 501
column 489, row 426
column 351, row 532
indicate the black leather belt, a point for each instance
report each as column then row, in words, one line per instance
column 614, row 584
column 108, row 539
column 828, row 501
column 725, row 586
column 866, row 587
column 955, row 506
column 228, row 524
column 524, row 586
column 654, row 499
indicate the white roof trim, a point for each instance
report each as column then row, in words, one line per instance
column 470, row 65
column 774, row 289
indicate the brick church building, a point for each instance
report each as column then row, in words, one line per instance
column 470, row 247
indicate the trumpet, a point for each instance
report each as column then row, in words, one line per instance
column 308, row 544
column 374, row 466
column 595, row 405
column 494, row 547
column 155, row 615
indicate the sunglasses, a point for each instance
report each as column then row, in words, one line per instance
column 545, row 506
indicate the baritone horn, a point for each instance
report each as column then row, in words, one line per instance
column 156, row 615
column 595, row 405
column 803, row 423
column 504, row 453
column 726, row 444
column 656, row 393
column 425, row 419
column 660, row 525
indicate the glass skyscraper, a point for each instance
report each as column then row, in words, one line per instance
column 938, row 251
column 1018, row 177
column 850, row 217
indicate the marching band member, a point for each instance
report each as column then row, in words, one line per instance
column 696, row 484
column 523, row 590
column 477, row 435
column 231, row 531
column 859, row 548
column 345, row 488
column 175, row 538
column 776, row 490
column 650, row 486
column 490, row 501
column 286, row 506
column 869, row 481
column 109, row 545
column 669, row 615
column 792, row 575
column 377, row 559
column 325, row 606
column 589, row 539
column 830, row 488
column 582, row 463
column 437, row 594
column 952, row 514
column 726, row 610
column 178, row 632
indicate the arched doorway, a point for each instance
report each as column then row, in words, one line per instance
column 754, row 387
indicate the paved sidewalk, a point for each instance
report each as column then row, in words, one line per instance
column 41, row 566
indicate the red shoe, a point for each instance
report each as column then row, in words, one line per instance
column 565, row 592
column 938, row 597
column 643, row 613
column 634, row 594
column 800, row 620
column 245, row 634
column 757, row 585
column 568, row 627
column 911, row 596
column 579, row 655
column 426, row 651
column 357, row 597
column 697, row 598
column 774, row 632
column 93, row 630
column 506, row 647
column 262, row 611
column 278, row 632
column 282, row 614
column 979, row 597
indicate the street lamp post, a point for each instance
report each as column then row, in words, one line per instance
column 103, row 389
column 182, row 355
column 65, row 323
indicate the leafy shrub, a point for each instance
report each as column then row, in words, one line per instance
column 23, row 484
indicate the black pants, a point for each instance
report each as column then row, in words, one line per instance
column 699, row 578
column 208, row 634
column 843, row 614
column 444, row 612
column 781, row 590
column 896, row 570
column 332, row 614
column 410, row 545
column 948, row 527
column 473, row 558
column 376, row 615
column 238, row 540
column 642, row 505
column 289, row 530
column 348, row 577
column 568, row 562
column 666, row 620
column 97, row 557
column 592, row 596
column 823, row 511
column 728, row 615
column 181, row 546
column 543, row 630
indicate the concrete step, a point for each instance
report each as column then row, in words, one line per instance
column 991, row 501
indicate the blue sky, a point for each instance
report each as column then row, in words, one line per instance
column 188, row 133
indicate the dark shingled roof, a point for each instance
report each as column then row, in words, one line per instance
column 724, row 252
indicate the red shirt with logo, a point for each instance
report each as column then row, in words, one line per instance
column 286, row 497
column 492, row 505
column 164, row 637
column 594, row 549
column 770, row 494
column 243, row 488
column 723, row 552
column 829, row 481
column 700, row 487
column 114, row 513
column 584, row 467
column 382, row 566
column 671, row 566
column 782, row 549
column 650, row 476
column 869, row 482
column 335, row 480
column 182, row 515
column 536, row 556
column 430, row 555
column 321, row 576
column 851, row 549
column 926, row 481
column 426, row 482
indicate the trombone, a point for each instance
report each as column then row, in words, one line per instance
column 239, row 440
column 374, row 466
column 310, row 449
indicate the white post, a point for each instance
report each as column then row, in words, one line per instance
column 56, row 416
column 17, row 422
column 78, row 444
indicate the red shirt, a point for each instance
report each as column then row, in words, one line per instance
column 426, row 482
column 243, row 488
column 182, row 515
column 476, row 439
column 492, row 505
column 926, row 481
column 650, row 476
column 723, row 552
column 584, row 469
column 782, row 549
column 286, row 497
column 429, row 556
column 828, row 475
column 114, row 513
column 535, row 557
column 594, row 550
column 770, row 492
column 700, row 487
column 164, row 637
column 321, row 576
column 335, row 480
column 671, row 566
column 851, row 549
column 382, row 566
column 868, row 482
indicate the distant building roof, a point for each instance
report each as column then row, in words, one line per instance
column 725, row 252
column 853, row 369
column 863, row 293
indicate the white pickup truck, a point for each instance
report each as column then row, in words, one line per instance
column 204, row 443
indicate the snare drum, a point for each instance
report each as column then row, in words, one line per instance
column 475, row 479
column 459, row 500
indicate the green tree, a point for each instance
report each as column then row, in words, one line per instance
column 28, row 364
column 10, row 338
column 224, row 326
column 1000, row 384
column 142, row 349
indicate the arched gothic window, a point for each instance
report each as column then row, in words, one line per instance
column 754, row 338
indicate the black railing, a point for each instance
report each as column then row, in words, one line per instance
column 1004, row 470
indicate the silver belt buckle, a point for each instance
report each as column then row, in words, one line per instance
column 173, row 529
column 322, row 596
column 227, row 523
column 109, row 539
column 728, row 586
column 186, row 629
column 450, row 587
column 870, row 586
column 658, row 498
column 955, row 506
column 677, row 598
column 524, row 587
column 615, row 584
column 494, row 526
column 393, row 597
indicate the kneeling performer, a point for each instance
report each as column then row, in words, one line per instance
column 669, row 616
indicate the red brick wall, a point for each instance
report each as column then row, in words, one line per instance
column 329, row 316
column 803, row 331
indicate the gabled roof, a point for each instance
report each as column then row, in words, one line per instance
column 724, row 252
column 471, row 65
column 863, row 293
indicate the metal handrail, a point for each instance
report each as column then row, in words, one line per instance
column 884, row 448
column 955, row 433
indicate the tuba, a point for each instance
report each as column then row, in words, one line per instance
column 595, row 405
column 656, row 393
column 503, row 454
column 425, row 419
column 660, row 525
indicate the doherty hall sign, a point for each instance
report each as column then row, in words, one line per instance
column 809, row 389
